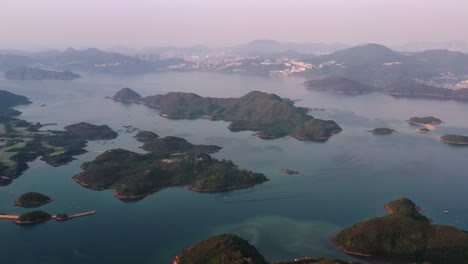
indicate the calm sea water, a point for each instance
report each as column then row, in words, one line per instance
column 343, row 181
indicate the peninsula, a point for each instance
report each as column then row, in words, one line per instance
column 32, row 199
column 26, row 73
column 404, row 235
column 8, row 100
column 24, row 142
column 231, row 249
column 268, row 114
column 173, row 162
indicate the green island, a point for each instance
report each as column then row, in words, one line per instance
column 169, row 164
column 383, row 131
column 26, row 73
column 144, row 136
column 231, row 249
column 340, row 85
column 34, row 217
column 427, row 120
column 22, row 142
column 404, row 235
column 454, row 139
column 32, row 199
column 268, row 114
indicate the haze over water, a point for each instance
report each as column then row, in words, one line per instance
column 342, row 181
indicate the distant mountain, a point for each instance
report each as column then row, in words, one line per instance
column 26, row 73
column 454, row 45
column 9, row 61
column 95, row 60
column 265, row 46
column 339, row 85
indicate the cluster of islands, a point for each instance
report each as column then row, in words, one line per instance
column 268, row 114
column 402, row 236
column 33, row 200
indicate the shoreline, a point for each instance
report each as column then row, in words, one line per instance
column 352, row 253
column 32, row 205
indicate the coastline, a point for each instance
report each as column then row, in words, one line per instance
column 342, row 248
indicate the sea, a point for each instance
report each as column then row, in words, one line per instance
column 342, row 181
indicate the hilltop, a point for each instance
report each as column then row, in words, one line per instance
column 404, row 235
column 231, row 249
column 268, row 114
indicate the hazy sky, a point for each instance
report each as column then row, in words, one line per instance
column 145, row 23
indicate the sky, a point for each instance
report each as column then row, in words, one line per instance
column 215, row 23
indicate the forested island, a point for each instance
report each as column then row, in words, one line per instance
column 172, row 162
column 268, row 114
column 23, row 142
column 404, row 235
column 32, row 199
column 427, row 120
column 454, row 139
column 383, row 131
column 26, row 73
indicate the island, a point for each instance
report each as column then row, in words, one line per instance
column 454, row 139
column 267, row 114
column 126, row 95
column 414, row 88
column 427, row 120
column 290, row 172
column 133, row 176
column 383, row 131
column 26, row 73
column 145, row 136
column 231, row 249
column 32, row 199
column 341, row 85
column 34, row 217
column 23, row 142
column 90, row 131
column 404, row 235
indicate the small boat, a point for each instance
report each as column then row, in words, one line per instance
column 446, row 212
column 42, row 105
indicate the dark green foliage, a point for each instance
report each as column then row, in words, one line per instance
column 25, row 73
column 134, row 175
column 32, row 199
column 144, row 136
column 170, row 145
column 268, row 114
column 316, row 129
column 406, row 235
column 425, row 120
column 222, row 249
column 88, row 131
column 454, row 139
column 34, row 216
column 383, row 131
